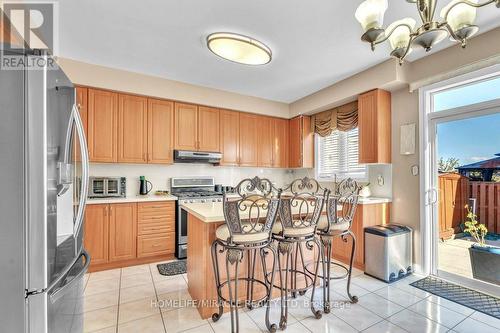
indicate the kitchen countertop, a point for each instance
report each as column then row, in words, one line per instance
column 213, row 212
column 142, row 198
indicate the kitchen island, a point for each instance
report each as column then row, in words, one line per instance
column 203, row 221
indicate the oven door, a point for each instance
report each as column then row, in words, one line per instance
column 113, row 187
column 181, row 233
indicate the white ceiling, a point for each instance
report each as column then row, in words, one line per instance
column 315, row 43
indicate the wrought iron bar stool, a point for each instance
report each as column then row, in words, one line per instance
column 249, row 222
column 301, row 205
column 338, row 224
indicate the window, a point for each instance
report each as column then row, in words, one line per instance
column 467, row 94
column 337, row 154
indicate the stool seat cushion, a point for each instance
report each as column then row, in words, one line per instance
column 341, row 225
column 292, row 232
column 222, row 233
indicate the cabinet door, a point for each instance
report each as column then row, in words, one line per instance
column 208, row 129
column 122, row 231
column 96, row 233
column 295, row 143
column 132, row 129
column 229, row 137
column 102, row 125
column 265, row 141
column 160, row 131
column 374, row 121
column 367, row 122
column 280, row 143
column 249, row 143
column 186, row 126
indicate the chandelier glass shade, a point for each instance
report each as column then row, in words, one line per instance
column 458, row 18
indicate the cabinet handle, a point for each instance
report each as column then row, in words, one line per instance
column 110, row 211
column 105, row 211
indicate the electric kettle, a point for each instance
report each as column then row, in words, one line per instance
column 143, row 186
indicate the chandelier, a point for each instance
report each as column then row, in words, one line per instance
column 457, row 22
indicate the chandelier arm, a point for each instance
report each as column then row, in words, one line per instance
column 387, row 35
column 407, row 49
column 469, row 3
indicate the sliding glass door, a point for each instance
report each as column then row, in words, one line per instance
column 460, row 177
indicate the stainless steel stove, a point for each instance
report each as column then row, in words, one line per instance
column 190, row 190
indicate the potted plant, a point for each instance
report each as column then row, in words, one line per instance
column 485, row 259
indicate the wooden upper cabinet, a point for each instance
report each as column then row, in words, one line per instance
column 301, row 142
column 229, row 137
column 249, row 139
column 280, row 142
column 122, row 231
column 132, row 129
column 208, row 129
column 160, row 131
column 96, row 233
column 265, row 141
column 102, row 125
column 374, row 121
column 186, row 126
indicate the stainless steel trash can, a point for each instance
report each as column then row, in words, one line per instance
column 388, row 251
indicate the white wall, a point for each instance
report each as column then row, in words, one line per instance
column 159, row 175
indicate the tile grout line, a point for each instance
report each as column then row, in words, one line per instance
column 119, row 295
column 157, row 298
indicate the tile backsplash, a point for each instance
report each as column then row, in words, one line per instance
column 159, row 175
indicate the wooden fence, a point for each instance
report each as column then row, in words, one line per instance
column 487, row 195
column 454, row 193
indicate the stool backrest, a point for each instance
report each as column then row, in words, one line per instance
column 302, row 203
column 254, row 209
column 346, row 194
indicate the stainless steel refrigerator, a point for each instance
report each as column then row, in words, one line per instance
column 44, row 184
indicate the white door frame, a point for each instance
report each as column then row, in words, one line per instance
column 428, row 175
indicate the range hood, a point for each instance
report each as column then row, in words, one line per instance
column 187, row 156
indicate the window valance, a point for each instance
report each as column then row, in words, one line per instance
column 344, row 118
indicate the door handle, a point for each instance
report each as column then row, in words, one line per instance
column 432, row 196
column 57, row 293
column 85, row 170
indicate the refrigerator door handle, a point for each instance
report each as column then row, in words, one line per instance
column 85, row 170
column 57, row 293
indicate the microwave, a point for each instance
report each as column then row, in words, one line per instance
column 107, row 187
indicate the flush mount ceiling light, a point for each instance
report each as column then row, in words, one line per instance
column 239, row 48
column 458, row 22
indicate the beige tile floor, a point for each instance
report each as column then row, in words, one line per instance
column 140, row 300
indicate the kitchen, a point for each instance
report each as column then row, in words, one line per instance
column 157, row 154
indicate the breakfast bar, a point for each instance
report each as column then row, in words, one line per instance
column 203, row 221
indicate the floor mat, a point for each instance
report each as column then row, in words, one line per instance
column 467, row 297
column 172, row 268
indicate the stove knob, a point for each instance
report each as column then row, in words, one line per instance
column 219, row 200
column 191, row 201
column 203, row 200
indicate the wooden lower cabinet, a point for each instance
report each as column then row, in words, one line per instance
column 122, row 231
column 156, row 244
column 96, row 233
column 125, row 234
column 366, row 215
